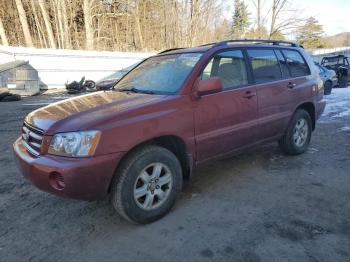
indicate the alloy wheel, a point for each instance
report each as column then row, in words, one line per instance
column 153, row 186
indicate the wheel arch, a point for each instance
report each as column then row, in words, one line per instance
column 310, row 108
column 174, row 144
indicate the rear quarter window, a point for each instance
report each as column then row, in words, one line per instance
column 265, row 65
column 296, row 63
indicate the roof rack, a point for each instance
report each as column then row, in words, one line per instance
column 208, row 44
column 260, row 41
column 171, row 49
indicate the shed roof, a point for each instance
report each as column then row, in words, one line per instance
column 11, row 65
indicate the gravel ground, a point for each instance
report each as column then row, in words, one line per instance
column 259, row 206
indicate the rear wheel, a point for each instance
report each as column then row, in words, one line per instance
column 298, row 134
column 147, row 184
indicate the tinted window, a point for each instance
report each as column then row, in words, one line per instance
column 296, row 63
column 265, row 65
column 283, row 64
column 230, row 67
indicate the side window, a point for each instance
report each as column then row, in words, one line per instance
column 283, row 64
column 230, row 67
column 265, row 65
column 296, row 63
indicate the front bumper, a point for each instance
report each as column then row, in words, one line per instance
column 84, row 178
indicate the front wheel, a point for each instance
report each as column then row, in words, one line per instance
column 298, row 134
column 147, row 184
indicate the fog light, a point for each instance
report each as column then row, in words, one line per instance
column 57, row 181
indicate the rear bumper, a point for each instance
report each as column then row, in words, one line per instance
column 84, row 178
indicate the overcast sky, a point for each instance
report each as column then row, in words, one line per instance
column 334, row 15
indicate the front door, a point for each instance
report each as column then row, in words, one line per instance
column 226, row 121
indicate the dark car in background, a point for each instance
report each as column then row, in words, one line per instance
column 109, row 81
column 329, row 78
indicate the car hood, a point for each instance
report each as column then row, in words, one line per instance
column 81, row 109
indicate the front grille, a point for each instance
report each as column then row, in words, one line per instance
column 32, row 138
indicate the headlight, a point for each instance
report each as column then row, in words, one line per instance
column 75, row 144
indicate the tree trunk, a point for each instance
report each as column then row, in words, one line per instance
column 24, row 23
column 41, row 34
column 194, row 21
column 273, row 18
column 66, row 30
column 259, row 14
column 3, row 37
column 47, row 24
column 89, row 32
column 138, row 26
column 59, row 19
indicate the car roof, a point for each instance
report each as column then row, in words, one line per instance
column 226, row 44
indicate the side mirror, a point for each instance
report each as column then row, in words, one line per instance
column 209, row 86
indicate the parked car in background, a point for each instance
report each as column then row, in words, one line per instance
column 171, row 113
column 329, row 78
column 109, row 81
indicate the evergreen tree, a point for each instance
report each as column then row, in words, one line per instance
column 240, row 19
column 310, row 34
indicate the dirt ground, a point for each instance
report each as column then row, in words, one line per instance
column 259, row 206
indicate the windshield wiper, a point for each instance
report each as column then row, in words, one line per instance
column 135, row 90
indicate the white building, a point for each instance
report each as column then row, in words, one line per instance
column 57, row 66
column 318, row 54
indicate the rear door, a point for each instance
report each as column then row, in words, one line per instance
column 226, row 121
column 280, row 81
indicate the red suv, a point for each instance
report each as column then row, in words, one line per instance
column 172, row 112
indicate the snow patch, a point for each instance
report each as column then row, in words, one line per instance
column 345, row 128
column 337, row 105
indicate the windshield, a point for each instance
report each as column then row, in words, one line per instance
column 160, row 75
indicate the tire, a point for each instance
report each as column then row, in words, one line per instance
column 128, row 178
column 289, row 143
column 90, row 85
column 11, row 98
column 327, row 87
column 4, row 94
column 343, row 81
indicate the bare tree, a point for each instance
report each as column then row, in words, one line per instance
column 47, row 24
column 89, row 31
column 137, row 24
column 290, row 20
column 125, row 25
column 66, row 29
column 3, row 34
column 24, row 23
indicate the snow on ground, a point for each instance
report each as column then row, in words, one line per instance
column 338, row 105
column 345, row 128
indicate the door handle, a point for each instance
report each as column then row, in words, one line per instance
column 249, row 95
column 291, row 85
